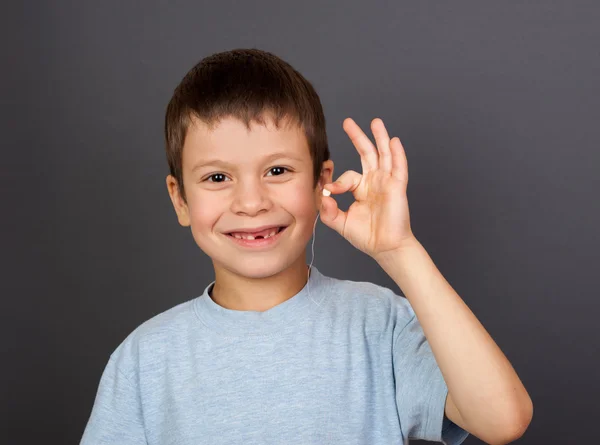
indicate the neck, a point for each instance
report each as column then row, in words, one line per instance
column 243, row 293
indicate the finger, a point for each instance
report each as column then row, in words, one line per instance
column 332, row 216
column 347, row 182
column 399, row 161
column 364, row 146
column 383, row 145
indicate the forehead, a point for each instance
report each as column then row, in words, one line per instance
column 231, row 140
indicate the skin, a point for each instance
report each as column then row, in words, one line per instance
column 251, row 192
column 485, row 395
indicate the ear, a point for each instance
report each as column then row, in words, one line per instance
column 181, row 208
column 326, row 175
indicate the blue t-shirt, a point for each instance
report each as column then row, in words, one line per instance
column 347, row 363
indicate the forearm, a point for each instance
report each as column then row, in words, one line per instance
column 483, row 384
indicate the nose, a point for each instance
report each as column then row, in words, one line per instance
column 250, row 198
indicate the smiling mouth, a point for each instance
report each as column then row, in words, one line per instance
column 251, row 237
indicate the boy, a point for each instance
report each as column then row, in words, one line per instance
column 273, row 351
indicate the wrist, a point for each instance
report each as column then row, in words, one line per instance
column 394, row 256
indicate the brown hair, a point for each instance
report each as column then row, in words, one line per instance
column 246, row 84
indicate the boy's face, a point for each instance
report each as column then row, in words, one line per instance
column 240, row 179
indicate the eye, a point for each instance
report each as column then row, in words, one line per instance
column 279, row 168
column 216, row 175
column 219, row 177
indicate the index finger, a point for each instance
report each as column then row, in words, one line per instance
column 369, row 157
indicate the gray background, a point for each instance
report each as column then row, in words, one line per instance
column 496, row 103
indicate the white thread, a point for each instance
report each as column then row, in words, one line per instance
column 313, row 258
column 327, row 423
column 325, row 193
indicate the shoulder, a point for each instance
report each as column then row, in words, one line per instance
column 154, row 337
column 375, row 302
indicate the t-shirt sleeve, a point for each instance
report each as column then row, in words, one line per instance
column 116, row 416
column 421, row 390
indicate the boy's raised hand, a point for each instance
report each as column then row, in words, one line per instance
column 378, row 222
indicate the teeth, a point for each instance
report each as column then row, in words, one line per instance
column 251, row 237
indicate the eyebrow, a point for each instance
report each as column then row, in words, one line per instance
column 220, row 162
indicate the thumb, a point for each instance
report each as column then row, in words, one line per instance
column 331, row 215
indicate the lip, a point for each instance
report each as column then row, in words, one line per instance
column 254, row 230
column 259, row 244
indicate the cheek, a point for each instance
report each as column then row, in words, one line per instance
column 301, row 200
column 204, row 214
column 204, row 211
column 206, row 208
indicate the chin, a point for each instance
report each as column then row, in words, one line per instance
column 260, row 268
